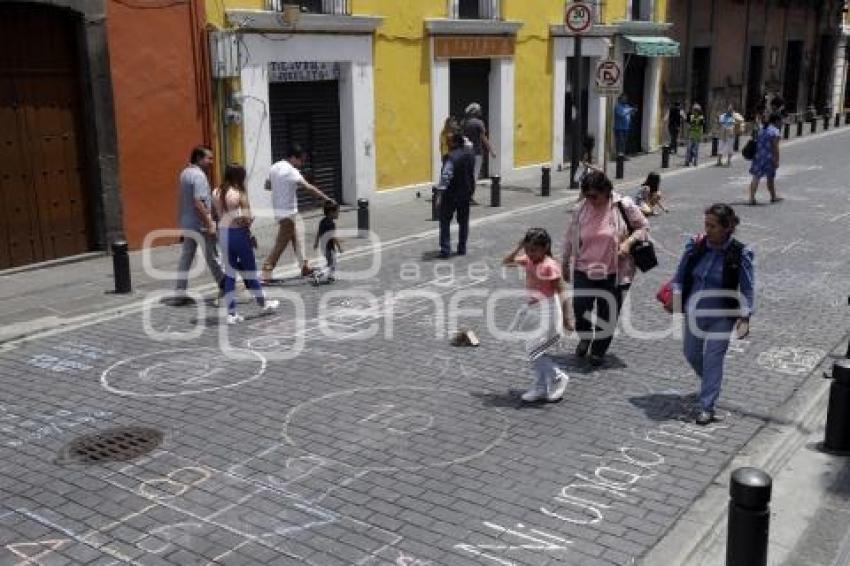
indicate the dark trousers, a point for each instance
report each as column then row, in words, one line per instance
column 674, row 139
column 449, row 205
column 240, row 257
column 603, row 294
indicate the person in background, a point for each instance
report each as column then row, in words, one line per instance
column 696, row 128
column 457, row 182
column 648, row 196
column 234, row 213
column 623, row 113
column 766, row 160
column 475, row 130
column 714, row 286
column 284, row 182
column 196, row 222
column 675, row 118
column 730, row 123
column 450, row 127
column 327, row 236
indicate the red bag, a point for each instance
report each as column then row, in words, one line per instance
column 664, row 295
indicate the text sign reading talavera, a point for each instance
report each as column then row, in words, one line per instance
column 301, row 71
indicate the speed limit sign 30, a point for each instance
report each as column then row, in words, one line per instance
column 578, row 17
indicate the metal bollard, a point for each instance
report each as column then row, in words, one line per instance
column 749, row 518
column 714, row 144
column 495, row 191
column 814, row 125
column 786, row 132
column 362, row 217
column 620, row 162
column 837, row 120
column 847, row 118
column 121, row 267
column 435, row 195
column 737, row 145
column 546, row 181
column 799, row 128
column 665, row 157
column 837, row 438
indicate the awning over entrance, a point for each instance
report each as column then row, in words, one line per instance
column 652, row 46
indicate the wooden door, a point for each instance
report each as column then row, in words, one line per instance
column 43, row 209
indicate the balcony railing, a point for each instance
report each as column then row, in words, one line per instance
column 474, row 9
column 337, row 7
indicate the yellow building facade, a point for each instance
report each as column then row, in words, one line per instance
column 395, row 69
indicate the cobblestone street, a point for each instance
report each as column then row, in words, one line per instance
column 344, row 429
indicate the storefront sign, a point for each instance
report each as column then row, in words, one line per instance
column 473, row 46
column 303, row 71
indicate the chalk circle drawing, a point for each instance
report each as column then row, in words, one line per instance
column 790, row 360
column 394, row 428
column 184, row 371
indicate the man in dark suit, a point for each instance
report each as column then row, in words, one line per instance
column 457, row 182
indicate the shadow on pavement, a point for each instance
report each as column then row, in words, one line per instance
column 666, row 406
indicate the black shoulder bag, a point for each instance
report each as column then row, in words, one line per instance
column 643, row 251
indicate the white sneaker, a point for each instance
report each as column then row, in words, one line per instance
column 558, row 387
column 271, row 305
column 235, row 318
column 533, row 395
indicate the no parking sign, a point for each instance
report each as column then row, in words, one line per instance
column 609, row 77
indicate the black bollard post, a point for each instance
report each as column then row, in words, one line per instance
column 814, row 125
column 665, row 157
column 737, row 145
column 714, row 144
column 799, row 128
column 121, row 267
column 620, row 162
column 546, row 181
column 837, row 438
column 495, row 191
column 837, row 120
column 847, row 118
column 786, row 132
column 435, row 201
column 749, row 518
column 362, row 217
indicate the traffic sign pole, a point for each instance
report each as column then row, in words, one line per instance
column 578, row 122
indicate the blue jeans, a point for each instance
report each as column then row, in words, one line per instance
column 693, row 153
column 705, row 354
column 240, row 257
column 449, row 205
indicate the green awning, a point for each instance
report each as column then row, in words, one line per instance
column 653, row 46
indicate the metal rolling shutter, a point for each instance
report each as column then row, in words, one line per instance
column 307, row 113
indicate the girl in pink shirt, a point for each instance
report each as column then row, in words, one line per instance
column 545, row 315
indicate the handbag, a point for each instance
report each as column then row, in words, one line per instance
column 749, row 150
column 664, row 295
column 643, row 251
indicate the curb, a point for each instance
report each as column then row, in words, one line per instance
column 696, row 531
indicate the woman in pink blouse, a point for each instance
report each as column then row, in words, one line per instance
column 598, row 261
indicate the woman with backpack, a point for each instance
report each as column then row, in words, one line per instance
column 714, row 287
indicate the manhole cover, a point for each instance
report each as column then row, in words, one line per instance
column 113, row 445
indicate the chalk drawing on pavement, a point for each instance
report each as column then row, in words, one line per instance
column 790, row 360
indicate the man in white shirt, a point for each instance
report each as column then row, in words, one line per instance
column 284, row 181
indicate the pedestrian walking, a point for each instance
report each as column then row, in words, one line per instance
column 475, row 130
column 598, row 261
column 766, row 160
column 284, row 182
column 675, row 118
column 457, row 182
column 587, row 161
column 714, row 286
column 648, row 197
column 196, row 222
column 331, row 244
column 696, row 128
column 623, row 113
column 234, row 213
column 730, row 123
column 544, row 317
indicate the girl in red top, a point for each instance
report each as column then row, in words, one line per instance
column 545, row 315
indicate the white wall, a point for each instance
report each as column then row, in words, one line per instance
column 357, row 105
column 501, row 126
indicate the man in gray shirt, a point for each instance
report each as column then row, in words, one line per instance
column 476, row 132
column 196, row 221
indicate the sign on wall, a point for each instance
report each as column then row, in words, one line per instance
column 473, row 46
column 609, row 77
column 303, row 71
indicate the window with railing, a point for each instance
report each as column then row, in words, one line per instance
column 474, row 9
column 640, row 10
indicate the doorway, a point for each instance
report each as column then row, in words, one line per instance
column 469, row 81
column 701, row 75
column 791, row 86
column 754, row 74
column 568, row 105
column 634, row 81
